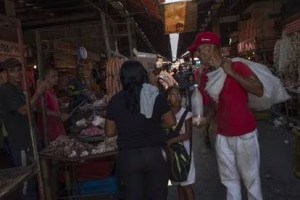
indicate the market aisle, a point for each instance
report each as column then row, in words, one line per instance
column 278, row 182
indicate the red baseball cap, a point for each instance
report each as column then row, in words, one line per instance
column 206, row 38
column 192, row 48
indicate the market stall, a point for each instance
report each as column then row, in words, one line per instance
column 287, row 63
column 72, row 153
column 85, row 147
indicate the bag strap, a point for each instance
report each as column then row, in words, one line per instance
column 179, row 126
column 181, row 121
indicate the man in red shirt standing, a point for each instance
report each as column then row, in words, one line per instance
column 237, row 147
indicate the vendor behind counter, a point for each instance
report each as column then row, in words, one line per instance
column 77, row 90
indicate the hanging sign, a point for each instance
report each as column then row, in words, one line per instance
column 180, row 17
column 9, row 48
column 247, row 45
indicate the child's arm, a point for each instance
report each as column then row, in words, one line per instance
column 186, row 136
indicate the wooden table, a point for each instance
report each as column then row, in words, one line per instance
column 11, row 184
column 69, row 164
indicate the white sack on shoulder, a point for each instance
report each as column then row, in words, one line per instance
column 274, row 92
column 215, row 83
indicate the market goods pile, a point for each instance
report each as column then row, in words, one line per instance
column 92, row 131
column 92, row 126
column 67, row 147
column 287, row 59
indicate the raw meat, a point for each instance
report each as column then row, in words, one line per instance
column 92, row 131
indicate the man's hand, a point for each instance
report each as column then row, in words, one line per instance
column 200, row 122
column 42, row 86
column 227, row 67
column 63, row 116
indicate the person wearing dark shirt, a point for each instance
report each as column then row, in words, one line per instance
column 137, row 115
column 182, row 79
column 77, row 90
column 14, row 116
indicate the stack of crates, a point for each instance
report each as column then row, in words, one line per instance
column 95, row 178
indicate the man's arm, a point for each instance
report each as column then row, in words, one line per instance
column 110, row 128
column 162, row 82
column 205, row 120
column 41, row 88
column 250, row 84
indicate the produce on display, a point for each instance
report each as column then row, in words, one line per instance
column 92, row 131
column 64, row 146
column 98, row 121
column 296, row 45
column 285, row 57
column 109, row 144
column 67, row 147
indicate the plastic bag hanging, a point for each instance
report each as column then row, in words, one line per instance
column 197, row 105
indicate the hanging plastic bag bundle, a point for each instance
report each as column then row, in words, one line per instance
column 197, row 105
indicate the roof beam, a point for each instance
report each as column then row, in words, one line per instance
column 59, row 20
column 124, row 13
column 43, row 9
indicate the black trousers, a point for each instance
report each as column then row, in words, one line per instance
column 144, row 173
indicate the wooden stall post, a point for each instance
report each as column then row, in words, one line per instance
column 29, row 113
column 129, row 37
column 105, row 33
column 46, row 179
column 40, row 67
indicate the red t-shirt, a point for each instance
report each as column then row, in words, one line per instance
column 234, row 117
column 55, row 125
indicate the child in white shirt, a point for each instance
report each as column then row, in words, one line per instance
column 184, row 189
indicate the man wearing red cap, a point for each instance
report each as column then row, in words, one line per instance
column 236, row 144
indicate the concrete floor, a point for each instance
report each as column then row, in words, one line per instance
column 278, row 181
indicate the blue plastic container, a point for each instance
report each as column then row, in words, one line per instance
column 96, row 187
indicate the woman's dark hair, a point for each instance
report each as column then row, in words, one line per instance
column 133, row 75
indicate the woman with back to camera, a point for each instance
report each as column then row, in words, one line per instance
column 137, row 114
